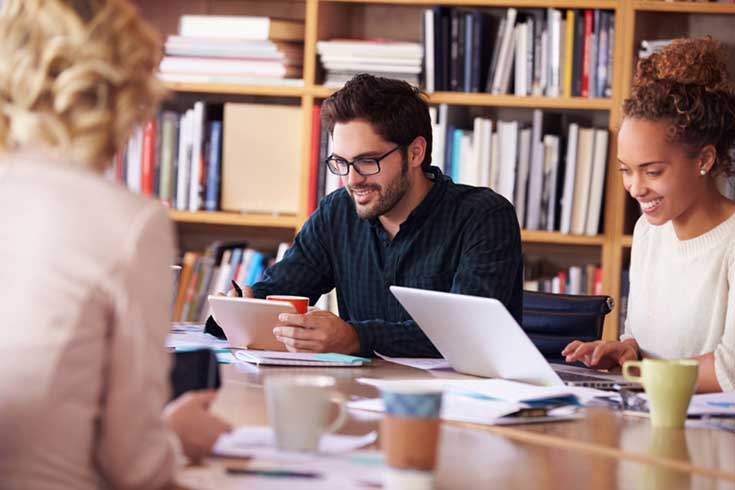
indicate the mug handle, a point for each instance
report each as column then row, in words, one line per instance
column 340, row 400
column 627, row 365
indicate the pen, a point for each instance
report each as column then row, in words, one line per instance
column 238, row 289
column 272, row 473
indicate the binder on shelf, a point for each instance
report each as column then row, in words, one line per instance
column 261, row 154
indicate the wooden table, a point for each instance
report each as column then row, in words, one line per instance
column 604, row 450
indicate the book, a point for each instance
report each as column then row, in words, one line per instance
column 597, row 182
column 241, row 27
column 582, row 180
column 211, row 202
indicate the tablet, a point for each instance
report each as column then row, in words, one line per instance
column 248, row 322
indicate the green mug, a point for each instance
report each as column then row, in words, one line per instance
column 669, row 385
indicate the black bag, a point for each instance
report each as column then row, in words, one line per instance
column 554, row 320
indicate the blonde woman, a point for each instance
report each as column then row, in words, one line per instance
column 677, row 136
column 85, row 284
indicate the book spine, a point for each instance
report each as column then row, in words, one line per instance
column 214, row 168
column 311, row 197
column 147, row 161
column 587, row 53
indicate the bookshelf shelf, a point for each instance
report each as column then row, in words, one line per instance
column 237, row 89
column 458, row 98
column 581, row 4
column 627, row 241
column 235, row 219
column 554, row 237
column 483, row 99
column 685, row 7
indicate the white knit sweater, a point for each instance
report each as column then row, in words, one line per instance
column 682, row 295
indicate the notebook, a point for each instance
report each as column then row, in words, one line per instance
column 275, row 358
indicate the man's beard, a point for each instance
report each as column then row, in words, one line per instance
column 387, row 199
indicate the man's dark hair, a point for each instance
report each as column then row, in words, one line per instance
column 397, row 111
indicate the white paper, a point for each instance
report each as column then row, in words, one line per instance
column 457, row 408
column 500, row 389
column 356, row 470
column 709, row 404
column 425, row 363
column 260, row 441
column 188, row 339
column 713, row 403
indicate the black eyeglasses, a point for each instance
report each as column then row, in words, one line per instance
column 364, row 165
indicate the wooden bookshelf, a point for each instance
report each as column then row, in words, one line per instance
column 235, row 219
column 685, row 7
column 237, row 89
column 554, row 237
column 577, row 4
column 634, row 20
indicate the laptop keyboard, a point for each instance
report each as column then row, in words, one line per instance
column 581, row 377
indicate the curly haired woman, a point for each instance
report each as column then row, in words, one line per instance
column 677, row 136
column 85, row 277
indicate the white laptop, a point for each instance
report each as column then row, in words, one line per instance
column 479, row 336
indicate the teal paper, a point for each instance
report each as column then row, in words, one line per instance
column 332, row 357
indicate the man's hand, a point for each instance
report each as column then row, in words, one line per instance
column 316, row 331
column 601, row 354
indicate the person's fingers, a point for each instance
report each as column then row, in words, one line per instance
column 602, row 350
column 203, row 398
column 581, row 351
column 247, row 292
column 293, row 319
column 627, row 354
column 571, row 347
column 295, row 345
column 294, row 332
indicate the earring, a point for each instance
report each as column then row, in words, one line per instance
column 703, row 172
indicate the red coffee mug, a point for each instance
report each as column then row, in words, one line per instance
column 300, row 303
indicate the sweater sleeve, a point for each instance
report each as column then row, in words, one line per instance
column 725, row 350
column 640, row 236
column 135, row 449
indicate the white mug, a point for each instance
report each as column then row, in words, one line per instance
column 298, row 410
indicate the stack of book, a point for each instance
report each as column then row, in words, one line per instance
column 555, row 181
column 176, row 158
column 234, row 49
column 343, row 59
column 213, row 271
column 535, row 52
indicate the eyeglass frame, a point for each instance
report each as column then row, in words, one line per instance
column 351, row 163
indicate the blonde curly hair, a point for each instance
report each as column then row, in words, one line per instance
column 76, row 76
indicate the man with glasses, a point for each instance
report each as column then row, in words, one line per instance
column 397, row 220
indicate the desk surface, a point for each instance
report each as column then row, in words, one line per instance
column 606, row 449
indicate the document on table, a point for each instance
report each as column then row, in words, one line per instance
column 494, row 389
column 358, row 470
column 713, row 404
column 459, row 408
column 425, row 363
column 260, row 441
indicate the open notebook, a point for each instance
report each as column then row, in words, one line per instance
column 274, row 358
